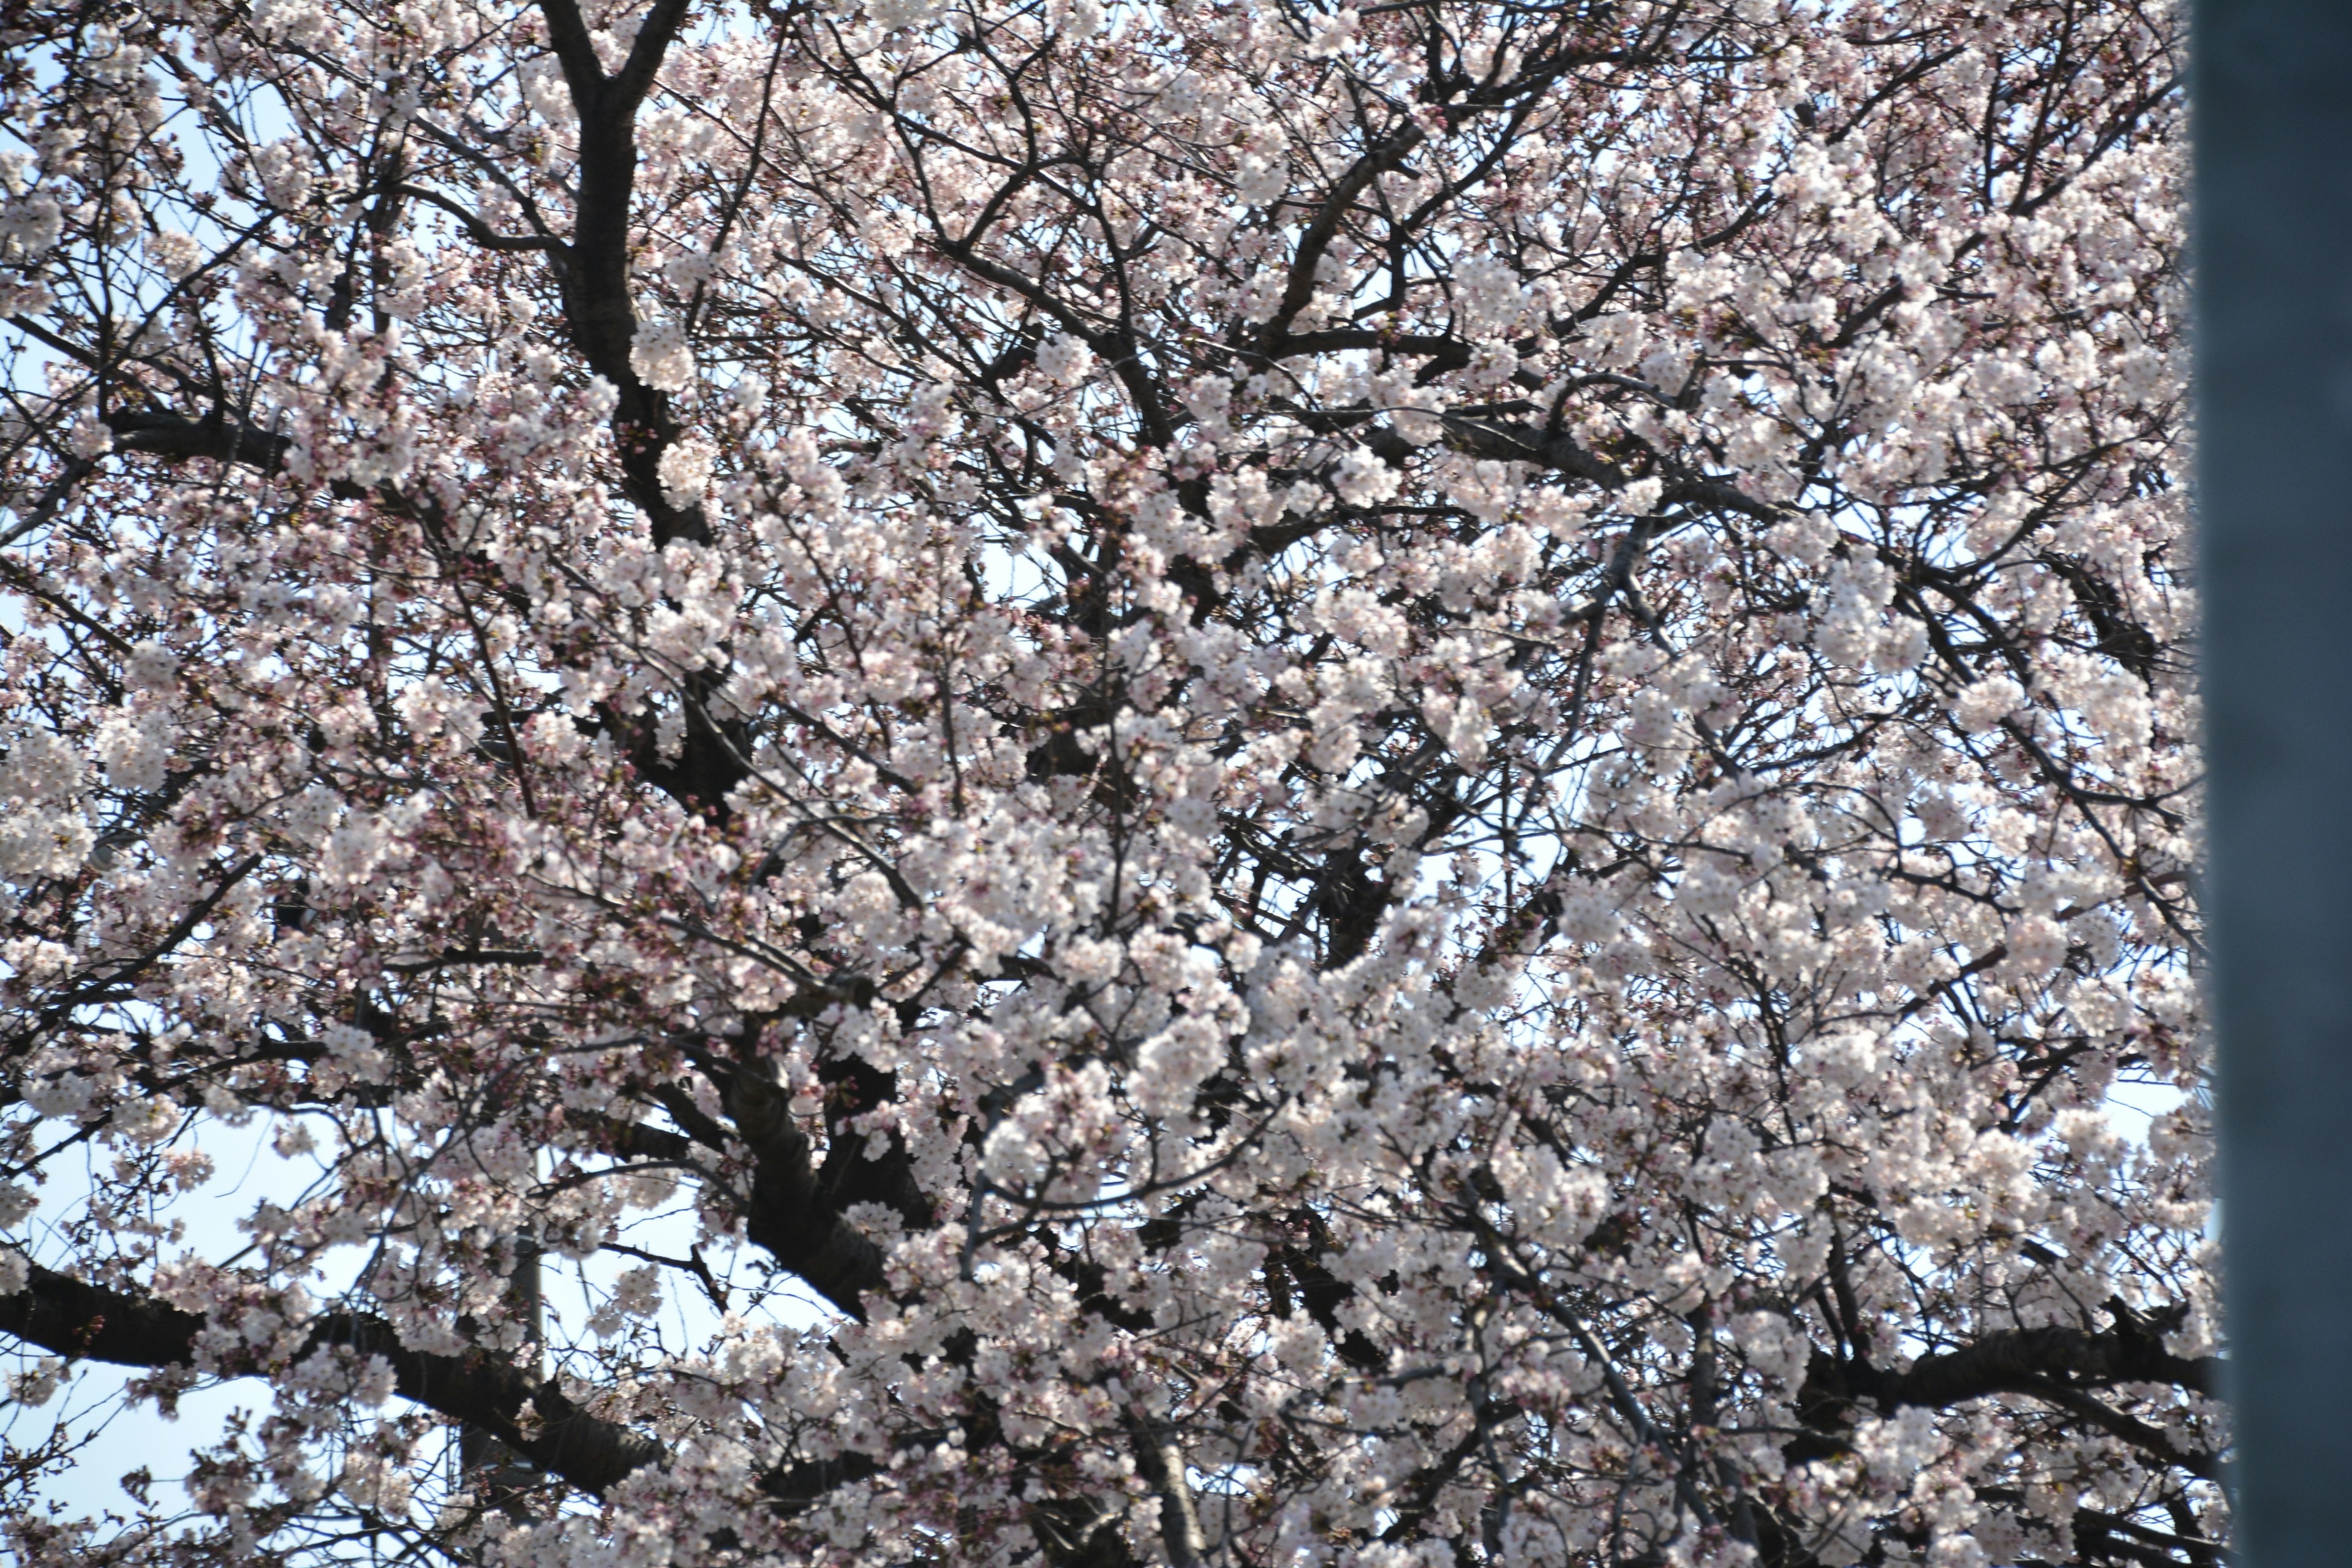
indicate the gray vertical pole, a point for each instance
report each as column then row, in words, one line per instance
column 2271, row 100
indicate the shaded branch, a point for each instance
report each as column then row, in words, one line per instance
column 533, row 1417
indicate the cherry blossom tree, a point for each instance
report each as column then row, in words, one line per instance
column 1195, row 783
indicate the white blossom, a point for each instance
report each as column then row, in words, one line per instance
column 686, row 466
column 1065, row 360
column 660, row 356
column 1362, row 478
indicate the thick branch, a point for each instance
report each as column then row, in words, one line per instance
column 2000, row 1362
column 1299, row 287
column 789, row 1214
column 171, row 435
column 92, row 1322
column 2058, row 1366
column 176, row 438
column 595, row 282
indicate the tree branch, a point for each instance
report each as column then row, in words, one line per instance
column 533, row 1417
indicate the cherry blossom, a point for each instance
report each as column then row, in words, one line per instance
column 1203, row 784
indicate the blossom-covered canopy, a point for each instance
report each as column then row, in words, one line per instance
column 1200, row 781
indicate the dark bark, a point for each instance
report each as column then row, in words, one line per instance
column 789, row 1213
column 594, row 272
column 530, row 1416
column 2060, row 1366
